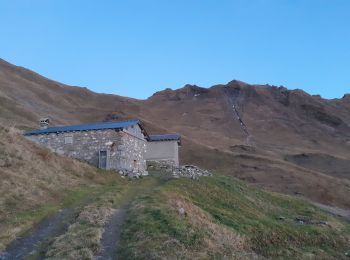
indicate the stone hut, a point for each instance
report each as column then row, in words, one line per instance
column 164, row 149
column 117, row 146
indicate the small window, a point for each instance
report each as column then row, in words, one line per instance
column 68, row 139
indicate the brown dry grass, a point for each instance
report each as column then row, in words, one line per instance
column 32, row 178
column 82, row 240
column 271, row 173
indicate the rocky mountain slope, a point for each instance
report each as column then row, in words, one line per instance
column 284, row 140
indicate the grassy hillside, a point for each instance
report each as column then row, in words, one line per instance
column 214, row 217
column 36, row 183
column 220, row 217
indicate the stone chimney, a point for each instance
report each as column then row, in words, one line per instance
column 44, row 123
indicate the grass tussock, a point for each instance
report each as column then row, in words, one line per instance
column 82, row 239
column 222, row 218
column 217, row 241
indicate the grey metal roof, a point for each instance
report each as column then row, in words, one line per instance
column 87, row 127
column 165, row 137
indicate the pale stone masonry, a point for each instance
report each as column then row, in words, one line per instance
column 122, row 146
column 116, row 147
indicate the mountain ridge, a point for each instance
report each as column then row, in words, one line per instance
column 288, row 132
column 4, row 63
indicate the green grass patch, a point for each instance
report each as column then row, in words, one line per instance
column 82, row 239
column 73, row 198
column 70, row 198
column 272, row 225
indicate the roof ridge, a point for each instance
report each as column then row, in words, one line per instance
column 167, row 134
column 165, row 137
column 84, row 127
column 95, row 123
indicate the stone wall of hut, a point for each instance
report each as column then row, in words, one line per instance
column 126, row 148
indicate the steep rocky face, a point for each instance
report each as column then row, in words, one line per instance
column 276, row 118
column 281, row 125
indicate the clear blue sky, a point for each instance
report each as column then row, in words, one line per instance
column 134, row 48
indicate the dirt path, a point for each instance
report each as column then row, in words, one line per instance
column 111, row 237
column 344, row 213
column 35, row 243
column 30, row 244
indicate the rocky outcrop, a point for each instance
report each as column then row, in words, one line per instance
column 190, row 171
column 133, row 174
column 186, row 171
